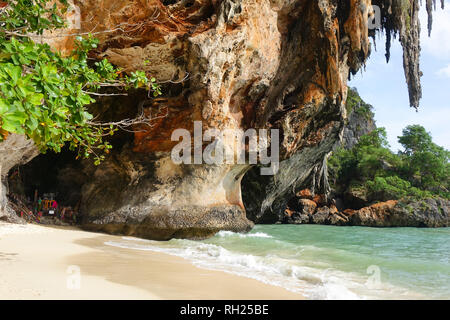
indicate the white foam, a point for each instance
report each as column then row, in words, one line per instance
column 243, row 235
column 269, row 269
column 285, row 267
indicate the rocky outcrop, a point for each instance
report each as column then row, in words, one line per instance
column 148, row 196
column 351, row 208
column 14, row 150
column 403, row 213
column 231, row 64
column 266, row 197
column 360, row 120
column 419, row 213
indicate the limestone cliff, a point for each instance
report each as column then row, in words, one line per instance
column 16, row 150
column 267, row 197
column 232, row 64
column 360, row 120
column 249, row 64
column 429, row 213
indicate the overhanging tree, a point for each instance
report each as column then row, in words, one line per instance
column 43, row 94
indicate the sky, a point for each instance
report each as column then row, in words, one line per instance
column 384, row 87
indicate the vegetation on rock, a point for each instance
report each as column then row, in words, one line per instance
column 44, row 94
column 374, row 172
column 356, row 104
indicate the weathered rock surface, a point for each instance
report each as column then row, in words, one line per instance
column 232, row 64
column 403, row 213
column 307, row 206
column 359, row 122
column 426, row 213
column 15, row 150
column 133, row 194
column 266, row 198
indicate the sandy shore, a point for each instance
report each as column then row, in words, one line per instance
column 39, row 262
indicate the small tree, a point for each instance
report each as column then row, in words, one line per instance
column 422, row 170
column 45, row 95
column 425, row 162
column 415, row 139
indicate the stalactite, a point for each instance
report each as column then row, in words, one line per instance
column 429, row 5
column 401, row 18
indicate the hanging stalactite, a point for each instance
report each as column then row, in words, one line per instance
column 400, row 18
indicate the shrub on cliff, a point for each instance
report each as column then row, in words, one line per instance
column 420, row 171
column 43, row 94
column 368, row 159
column 426, row 163
column 358, row 105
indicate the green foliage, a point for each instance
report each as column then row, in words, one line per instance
column 45, row 95
column 354, row 103
column 421, row 171
column 426, row 163
column 32, row 16
column 394, row 187
column 415, row 139
column 369, row 158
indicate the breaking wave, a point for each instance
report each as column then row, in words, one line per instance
column 314, row 280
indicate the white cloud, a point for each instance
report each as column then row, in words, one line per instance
column 438, row 44
column 444, row 72
column 432, row 118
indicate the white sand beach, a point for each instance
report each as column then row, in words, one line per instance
column 38, row 262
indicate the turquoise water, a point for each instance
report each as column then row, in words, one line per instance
column 326, row 262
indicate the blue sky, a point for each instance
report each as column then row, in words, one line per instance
column 383, row 85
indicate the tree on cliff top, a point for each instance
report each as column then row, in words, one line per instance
column 43, row 94
column 426, row 163
column 373, row 171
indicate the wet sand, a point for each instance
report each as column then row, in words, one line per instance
column 38, row 262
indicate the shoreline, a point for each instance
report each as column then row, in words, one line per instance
column 43, row 262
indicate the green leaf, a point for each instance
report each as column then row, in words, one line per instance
column 12, row 122
column 32, row 123
column 41, row 91
column 62, row 111
column 4, row 56
column 3, row 107
column 15, row 72
column 36, row 99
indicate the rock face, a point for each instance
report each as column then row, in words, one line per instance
column 360, row 120
column 266, row 197
column 148, row 196
column 404, row 213
column 305, row 207
column 426, row 213
column 15, row 150
column 232, row 65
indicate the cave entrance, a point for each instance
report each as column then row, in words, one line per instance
column 47, row 189
column 60, row 177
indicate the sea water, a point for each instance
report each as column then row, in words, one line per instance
column 325, row 262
